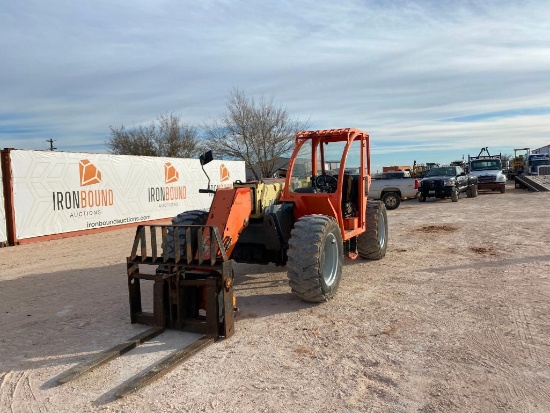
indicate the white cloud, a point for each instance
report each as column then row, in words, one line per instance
column 395, row 69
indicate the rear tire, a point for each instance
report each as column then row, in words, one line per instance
column 315, row 256
column 391, row 200
column 373, row 243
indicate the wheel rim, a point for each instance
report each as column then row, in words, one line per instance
column 381, row 230
column 330, row 265
column 391, row 201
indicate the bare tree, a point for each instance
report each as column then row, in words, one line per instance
column 256, row 133
column 166, row 136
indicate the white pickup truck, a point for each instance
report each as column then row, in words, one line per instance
column 392, row 187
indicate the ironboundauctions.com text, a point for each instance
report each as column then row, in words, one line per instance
column 117, row 221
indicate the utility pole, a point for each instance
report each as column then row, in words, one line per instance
column 51, row 141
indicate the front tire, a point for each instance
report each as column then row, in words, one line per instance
column 193, row 217
column 373, row 243
column 391, row 200
column 454, row 194
column 503, row 190
column 315, row 257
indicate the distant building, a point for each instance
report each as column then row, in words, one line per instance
column 544, row 149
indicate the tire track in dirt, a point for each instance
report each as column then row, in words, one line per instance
column 522, row 387
column 17, row 395
column 359, row 377
column 524, row 333
column 487, row 349
column 8, row 386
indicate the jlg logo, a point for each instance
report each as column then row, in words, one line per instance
column 89, row 175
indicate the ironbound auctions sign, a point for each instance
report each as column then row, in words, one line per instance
column 57, row 192
column 3, row 232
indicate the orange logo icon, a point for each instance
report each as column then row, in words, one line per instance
column 224, row 173
column 170, row 173
column 89, row 174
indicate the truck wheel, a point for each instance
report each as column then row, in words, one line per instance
column 421, row 198
column 372, row 244
column 454, row 195
column 194, row 217
column 503, row 189
column 391, row 200
column 315, row 255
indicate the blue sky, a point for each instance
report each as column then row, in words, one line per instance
column 429, row 80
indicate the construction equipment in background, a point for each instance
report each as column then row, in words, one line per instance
column 517, row 163
column 396, row 168
column 536, row 174
column 460, row 163
column 420, row 170
column 488, row 169
column 535, row 161
column 307, row 221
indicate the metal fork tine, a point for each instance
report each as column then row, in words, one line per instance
column 154, row 243
column 164, row 232
column 136, row 243
column 214, row 245
column 188, row 246
column 143, row 240
column 177, row 252
column 199, row 245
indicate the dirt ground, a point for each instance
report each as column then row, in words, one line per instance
column 455, row 318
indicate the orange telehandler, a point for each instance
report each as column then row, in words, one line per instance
column 307, row 221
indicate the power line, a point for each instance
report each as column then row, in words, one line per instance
column 51, row 141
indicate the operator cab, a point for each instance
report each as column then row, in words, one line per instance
column 325, row 175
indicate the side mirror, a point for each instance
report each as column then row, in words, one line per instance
column 206, row 157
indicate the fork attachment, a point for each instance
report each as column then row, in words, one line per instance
column 193, row 279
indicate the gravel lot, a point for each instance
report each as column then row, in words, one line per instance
column 455, row 318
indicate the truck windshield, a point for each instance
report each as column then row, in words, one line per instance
column 485, row 165
column 538, row 162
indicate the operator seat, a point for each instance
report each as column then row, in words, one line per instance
column 349, row 195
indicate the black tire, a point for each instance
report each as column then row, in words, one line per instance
column 194, row 217
column 315, row 255
column 503, row 189
column 454, row 194
column 421, row 198
column 373, row 243
column 391, row 200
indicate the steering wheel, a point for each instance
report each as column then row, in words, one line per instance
column 326, row 183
